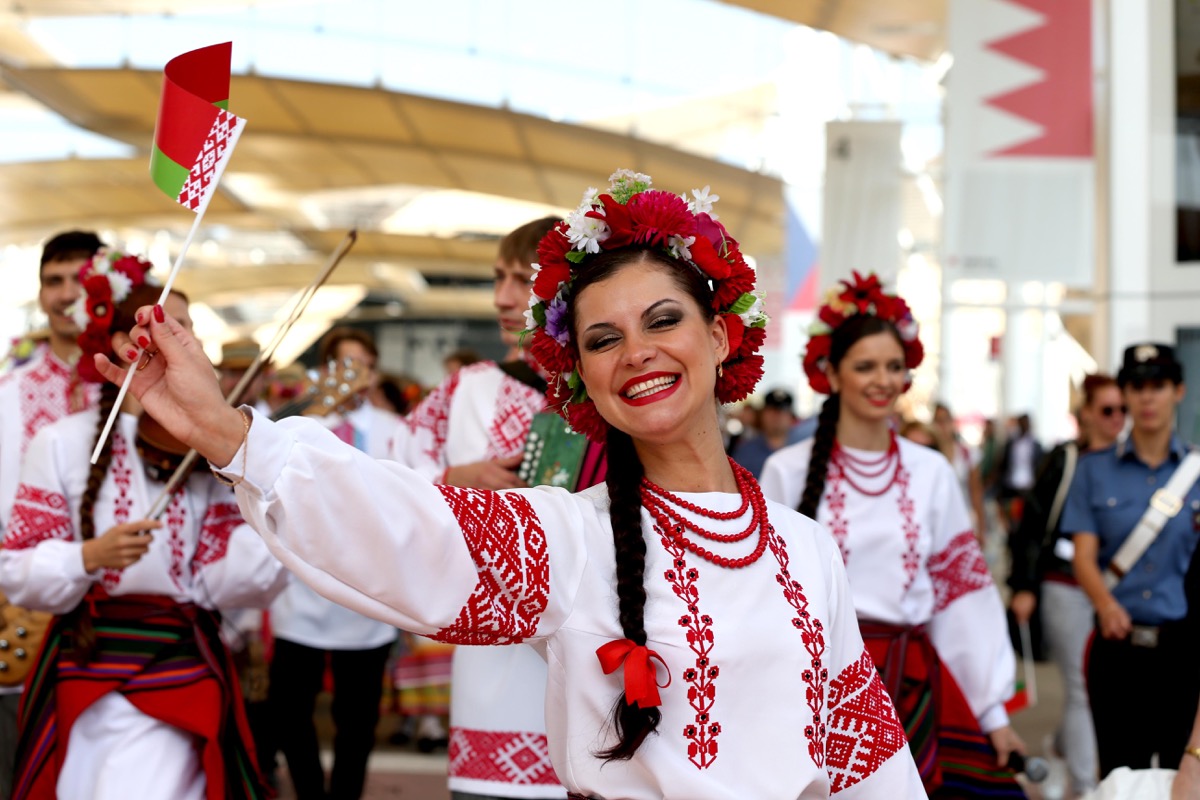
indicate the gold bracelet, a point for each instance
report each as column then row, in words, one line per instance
column 245, row 447
column 1193, row 751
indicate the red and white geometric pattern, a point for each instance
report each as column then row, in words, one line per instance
column 864, row 730
column 38, row 515
column 516, row 404
column 812, row 635
column 512, row 757
column 215, row 150
column 432, row 417
column 957, row 570
column 45, row 391
column 508, row 545
column 219, row 522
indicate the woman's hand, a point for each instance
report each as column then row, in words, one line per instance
column 176, row 385
column 497, row 474
column 120, row 546
column 1023, row 604
column 1006, row 742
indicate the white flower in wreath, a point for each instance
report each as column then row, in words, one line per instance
column 78, row 312
column 680, row 246
column 629, row 175
column 702, row 202
column 755, row 313
column 590, row 198
column 120, row 284
column 530, row 322
column 586, row 233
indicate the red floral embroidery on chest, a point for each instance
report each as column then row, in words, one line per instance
column 838, row 523
column 702, row 676
column 45, row 397
column 433, row 415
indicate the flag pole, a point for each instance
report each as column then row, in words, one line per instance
column 162, row 298
column 264, row 355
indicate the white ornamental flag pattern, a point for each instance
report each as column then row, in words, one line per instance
column 217, row 146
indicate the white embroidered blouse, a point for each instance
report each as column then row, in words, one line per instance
column 770, row 695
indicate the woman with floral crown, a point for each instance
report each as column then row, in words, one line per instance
column 700, row 641
column 930, row 614
column 133, row 693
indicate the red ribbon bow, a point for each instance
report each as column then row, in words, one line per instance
column 641, row 680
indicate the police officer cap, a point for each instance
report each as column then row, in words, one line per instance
column 1149, row 361
column 778, row 398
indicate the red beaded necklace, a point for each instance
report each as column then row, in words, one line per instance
column 663, row 507
column 851, row 466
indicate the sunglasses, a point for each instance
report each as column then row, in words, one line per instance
column 1108, row 411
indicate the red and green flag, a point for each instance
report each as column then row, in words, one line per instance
column 195, row 132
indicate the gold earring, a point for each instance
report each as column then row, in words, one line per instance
column 720, row 370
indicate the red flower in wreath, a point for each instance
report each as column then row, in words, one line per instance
column 657, row 216
column 740, row 377
column 552, row 357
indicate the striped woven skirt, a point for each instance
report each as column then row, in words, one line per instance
column 955, row 758
column 167, row 660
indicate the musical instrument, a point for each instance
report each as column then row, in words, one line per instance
column 553, row 453
column 21, row 634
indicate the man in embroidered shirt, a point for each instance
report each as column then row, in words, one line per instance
column 41, row 391
column 470, row 431
column 1142, row 681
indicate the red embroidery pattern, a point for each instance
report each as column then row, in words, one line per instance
column 219, row 522
column 38, row 515
column 176, row 517
column 433, row 416
column 508, row 545
column 812, row 635
column 957, row 570
column 910, row 527
column 45, row 391
column 864, row 730
column 835, row 501
column 516, row 404
column 121, row 474
column 513, row 757
column 702, row 689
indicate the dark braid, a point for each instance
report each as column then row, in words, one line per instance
column 625, row 471
column 818, row 461
column 96, row 475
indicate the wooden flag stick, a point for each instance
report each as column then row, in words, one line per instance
column 162, row 298
column 264, row 355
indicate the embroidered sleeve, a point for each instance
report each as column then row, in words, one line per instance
column 508, row 546
column 958, row 569
column 38, row 515
column 863, row 730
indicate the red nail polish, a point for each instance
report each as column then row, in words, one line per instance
column 140, row 317
column 159, row 315
column 143, row 342
column 131, row 354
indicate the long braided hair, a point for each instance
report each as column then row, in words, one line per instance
column 842, row 339
column 632, row 723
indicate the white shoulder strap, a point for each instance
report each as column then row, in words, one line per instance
column 1164, row 504
column 1071, row 455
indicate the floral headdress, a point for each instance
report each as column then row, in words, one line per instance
column 858, row 295
column 631, row 213
column 107, row 279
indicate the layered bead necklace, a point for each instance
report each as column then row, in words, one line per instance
column 869, row 470
column 667, row 510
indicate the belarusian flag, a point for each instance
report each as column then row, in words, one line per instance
column 195, row 133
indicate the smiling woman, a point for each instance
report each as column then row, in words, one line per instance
column 699, row 641
column 931, row 616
